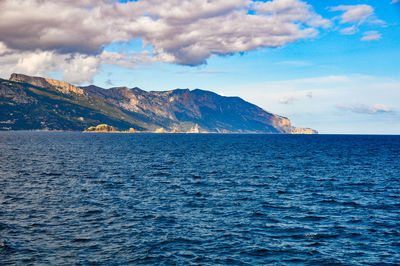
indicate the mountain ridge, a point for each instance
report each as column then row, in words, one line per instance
column 58, row 105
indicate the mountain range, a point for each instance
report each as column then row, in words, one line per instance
column 36, row 103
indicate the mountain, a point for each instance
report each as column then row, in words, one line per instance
column 39, row 103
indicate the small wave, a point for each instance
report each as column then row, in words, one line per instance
column 193, row 204
column 295, row 260
column 92, row 212
column 6, row 248
column 350, row 203
column 165, row 219
column 311, row 218
column 3, row 226
column 257, row 214
column 328, row 201
column 321, row 236
column 4, row 244
column 161, row 174
column 81, row 240
column 51, row 174
column 315, row 244
column 279, row 207
column 259, row 252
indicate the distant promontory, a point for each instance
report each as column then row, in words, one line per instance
column 36, row 103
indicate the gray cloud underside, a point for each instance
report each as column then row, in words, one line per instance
column 179, row 31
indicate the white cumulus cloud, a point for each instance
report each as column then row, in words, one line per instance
column 185, row 32
column 76, row 67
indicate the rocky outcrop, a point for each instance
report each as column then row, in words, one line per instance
column 102, row 128
column 305, row 131
column 62, row 86
column 285, row 124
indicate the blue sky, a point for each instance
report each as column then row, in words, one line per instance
column 335, row 69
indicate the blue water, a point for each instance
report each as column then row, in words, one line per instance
column 74, row 198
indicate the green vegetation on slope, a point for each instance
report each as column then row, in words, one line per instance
column 24, row 106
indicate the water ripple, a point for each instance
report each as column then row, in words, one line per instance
column 72, row 198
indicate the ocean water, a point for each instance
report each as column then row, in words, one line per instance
column 176, row 199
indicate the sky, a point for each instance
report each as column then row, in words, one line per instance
column 330, row 65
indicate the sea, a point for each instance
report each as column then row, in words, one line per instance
column 70, row 198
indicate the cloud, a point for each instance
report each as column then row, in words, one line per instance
column 395, row 1
column 76, row 67
column 349, row 30
column 292, row 99
column 365, row 109
column 357, row 15
column 371, row 36
column 354, row 13
column 293, row 10
column 287, row 100
column 185, row 32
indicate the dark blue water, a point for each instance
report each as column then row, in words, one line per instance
column 74, row 198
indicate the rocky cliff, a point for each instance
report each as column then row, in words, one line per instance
column 62, row 86
column 53, row 104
